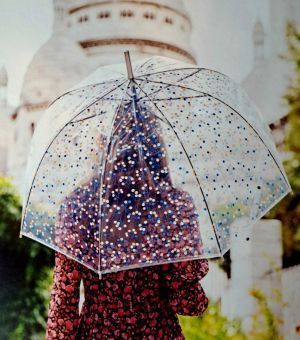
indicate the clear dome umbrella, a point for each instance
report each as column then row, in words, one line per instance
column 156, row 163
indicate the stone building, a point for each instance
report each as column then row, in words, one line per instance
column 267, row 82
column 86, row 35
column 7, row 126
column 257, row 262
column 90, row 33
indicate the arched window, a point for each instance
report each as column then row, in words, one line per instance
column 149, row 15
column 168, row 20
column 32, row 127
column 127, row 13
column 103, row 15
column 83, row 18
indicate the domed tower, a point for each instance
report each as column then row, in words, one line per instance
column 265, row 83
column 259, row 42
column 59, row 64
column 105, row 29
column 86, row 35
column 6, row 127
column 268, row 80
column 59, row 16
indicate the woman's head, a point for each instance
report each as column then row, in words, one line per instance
column 141, row 208
column 136, row 153
column 131, row 209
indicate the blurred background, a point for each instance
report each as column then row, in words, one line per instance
column 47, row 46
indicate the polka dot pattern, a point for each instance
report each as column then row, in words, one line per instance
column 160, row 169
column 140, row 303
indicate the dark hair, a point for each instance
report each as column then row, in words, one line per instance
column 138, row 191
column 144, row 218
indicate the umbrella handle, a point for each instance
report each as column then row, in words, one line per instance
column 128, row 65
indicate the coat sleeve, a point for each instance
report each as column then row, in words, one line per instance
column 63, row 314
column 181, row 284
column 183, row 289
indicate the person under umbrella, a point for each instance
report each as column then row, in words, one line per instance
column 219, row 151
column 141, row 302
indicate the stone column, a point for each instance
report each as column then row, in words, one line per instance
column 256, row 263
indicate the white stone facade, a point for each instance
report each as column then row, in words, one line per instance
column 271, row 74
column 86, row 35
column 269, row 78
column 6, row 126
column 255, row 260
column 105, row 29
column 291, row 298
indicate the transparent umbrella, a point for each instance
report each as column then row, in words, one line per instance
column 139, row 166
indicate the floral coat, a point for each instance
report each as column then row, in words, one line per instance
column 131, row 304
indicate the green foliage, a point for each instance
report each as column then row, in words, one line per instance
column 265, row 324
column 212, row 325
column 26, row 276
column 28, row 310
column 292, row 96
column 288, row 210
column 25, row 271
column 10, row 213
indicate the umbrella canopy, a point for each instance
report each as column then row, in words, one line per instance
column 162, row 163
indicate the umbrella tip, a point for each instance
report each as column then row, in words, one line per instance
column 128, row 65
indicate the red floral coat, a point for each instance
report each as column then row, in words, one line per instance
column 131, row 304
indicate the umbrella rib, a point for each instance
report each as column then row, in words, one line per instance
column 103, row 82
column 57, row 136
column 185, row 77
column 103, row 170
column 95, row 115
column 143, row 64
column 177, row 98
column 198, row 181
column 83, row 119
column 184, row 68
column 80, row 88
column 170, row 70
column 221, row 101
